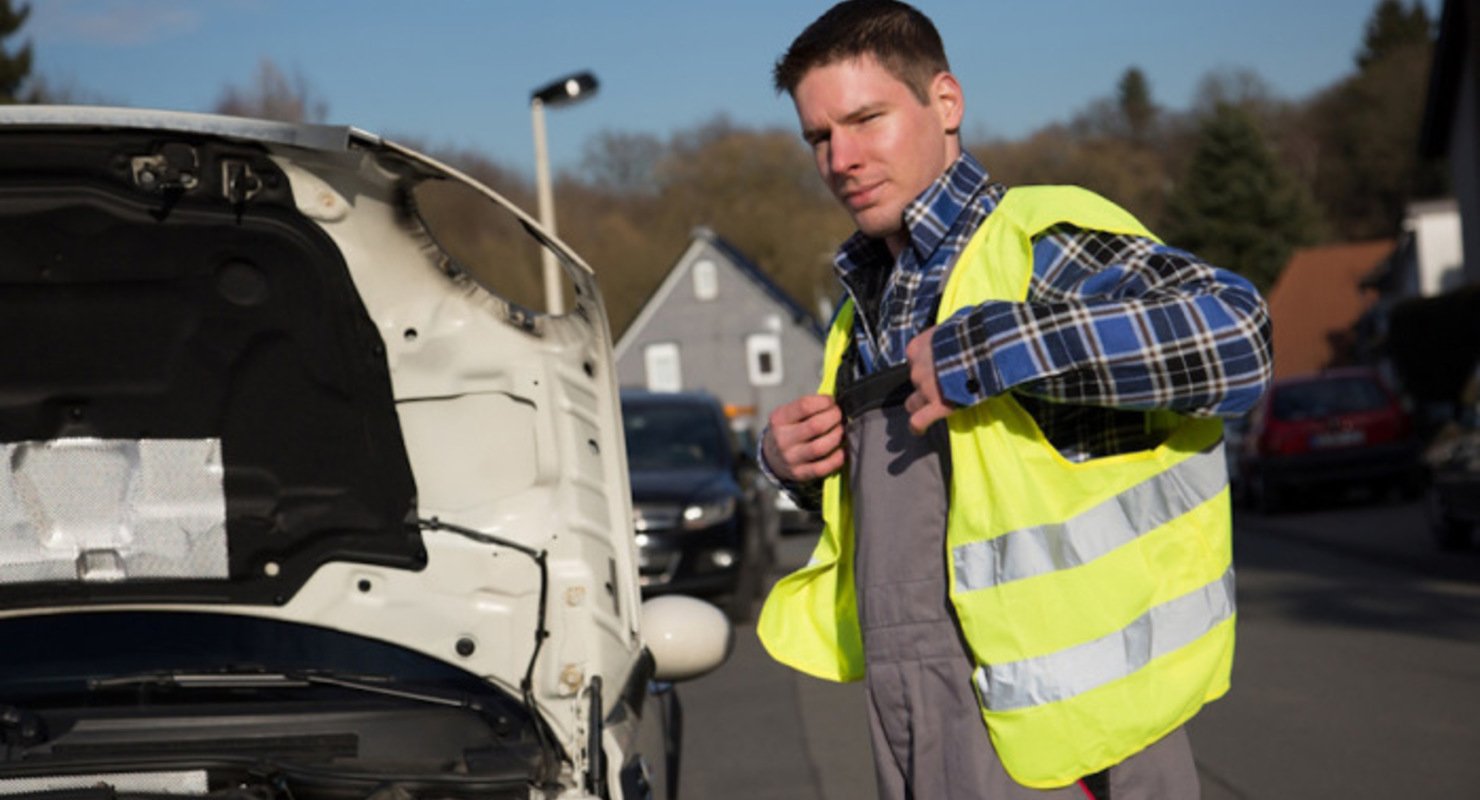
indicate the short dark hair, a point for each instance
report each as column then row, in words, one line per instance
column 898, row 36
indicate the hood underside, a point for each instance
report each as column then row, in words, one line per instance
column 208, row 366
column 248, row 374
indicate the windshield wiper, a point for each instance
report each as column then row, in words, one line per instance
column 257, row 679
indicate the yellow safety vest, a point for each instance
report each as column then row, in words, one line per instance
column 1096, row 597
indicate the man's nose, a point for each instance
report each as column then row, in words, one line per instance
column 843, row 153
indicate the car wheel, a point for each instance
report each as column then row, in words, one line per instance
column 1238, row 493
column 737, row 605
column 1266, row 497
column 1411, row 488
column 1450, row 534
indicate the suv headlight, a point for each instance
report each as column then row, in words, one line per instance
column 703, row 515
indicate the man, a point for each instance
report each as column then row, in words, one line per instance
column 1015, row 448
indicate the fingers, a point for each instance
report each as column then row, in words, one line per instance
column 919, row 347
column 802, row 408
column 805, row 439
column 925, row 404
column 921, row 358
column 823, row 467
column 924, row 412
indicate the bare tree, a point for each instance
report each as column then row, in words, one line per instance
column 272, row 94
column 623, row 162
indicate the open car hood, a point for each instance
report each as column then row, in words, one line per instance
column 247, row 373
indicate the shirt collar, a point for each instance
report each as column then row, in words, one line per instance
column 932, row 215
column 929, row 217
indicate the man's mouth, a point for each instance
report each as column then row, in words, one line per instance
column 859, row 197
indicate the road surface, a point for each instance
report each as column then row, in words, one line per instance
column 1357, row 675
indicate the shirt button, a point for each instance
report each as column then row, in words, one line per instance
column 973, row 385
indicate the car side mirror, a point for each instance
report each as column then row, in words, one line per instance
column 687, row 636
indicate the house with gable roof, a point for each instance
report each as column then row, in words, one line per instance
column 1317, row 299
column 717, row 323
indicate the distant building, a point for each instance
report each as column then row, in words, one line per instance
column 1429, row 258
column 1317, row 300
column 717, row 323
column 1426, row 326
column 1451, row 123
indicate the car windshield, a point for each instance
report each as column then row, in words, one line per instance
column 1326, row 398
column 673, row 436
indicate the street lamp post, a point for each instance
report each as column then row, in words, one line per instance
column 563, row 91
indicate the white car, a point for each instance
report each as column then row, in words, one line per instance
column 296, row 504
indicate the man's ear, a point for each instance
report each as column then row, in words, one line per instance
column 949, row 101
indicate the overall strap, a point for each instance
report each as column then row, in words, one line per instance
column 887, row 387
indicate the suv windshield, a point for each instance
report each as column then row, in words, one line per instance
column 673, row 435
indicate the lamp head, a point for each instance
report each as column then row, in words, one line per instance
column 569, row 89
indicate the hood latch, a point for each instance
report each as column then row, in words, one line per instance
column 176, row 167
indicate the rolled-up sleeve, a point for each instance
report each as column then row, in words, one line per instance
column 1115, row 321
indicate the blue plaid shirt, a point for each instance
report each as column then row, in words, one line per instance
column 1113, row 324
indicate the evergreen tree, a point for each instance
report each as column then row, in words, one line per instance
column 1391, row 29
column 1236, row 206
column 14, row 66
column 1366, row 128
column 1137, row 110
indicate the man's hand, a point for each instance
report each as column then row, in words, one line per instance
column 925, row 404
column 804, row 441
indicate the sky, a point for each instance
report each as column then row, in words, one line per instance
column 458, row 73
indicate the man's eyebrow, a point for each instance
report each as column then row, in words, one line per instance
column 813, row 135
column 863, row 111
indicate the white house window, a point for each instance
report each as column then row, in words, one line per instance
column 706, row 280
column 763, row 359
column 664, row 370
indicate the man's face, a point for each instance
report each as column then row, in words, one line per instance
column 877, row 146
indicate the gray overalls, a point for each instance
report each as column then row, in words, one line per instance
column 929, row 739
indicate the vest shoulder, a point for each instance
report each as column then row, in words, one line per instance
column 1038, row 208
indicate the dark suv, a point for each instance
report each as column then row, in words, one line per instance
column 704, row 517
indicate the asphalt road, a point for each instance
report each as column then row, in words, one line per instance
column 1357, row 676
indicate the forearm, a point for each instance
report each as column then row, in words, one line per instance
column 1156, row 330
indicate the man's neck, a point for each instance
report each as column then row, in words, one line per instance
column 898, row 242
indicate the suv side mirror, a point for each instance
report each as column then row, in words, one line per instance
column 687, row 637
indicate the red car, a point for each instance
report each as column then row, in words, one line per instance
column 1332, row 430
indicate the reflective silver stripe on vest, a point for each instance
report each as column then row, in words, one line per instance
column 1135, row 512
column 1059, row 676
